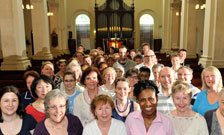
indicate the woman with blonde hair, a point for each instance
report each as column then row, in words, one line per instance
column 207, row 99
column 109, row 76
column 184, row 119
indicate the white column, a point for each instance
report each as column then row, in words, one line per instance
column 41, row 33
column 184, row 24
column 213, row 47
column 62, row 25
column 13, row 35
column 188, row 30
column 166, row 32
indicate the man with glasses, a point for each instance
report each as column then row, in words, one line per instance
column 148, row 61
column 185, row 73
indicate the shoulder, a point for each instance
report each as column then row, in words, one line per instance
column 73, row 118
column 202, row 93
column 133, row 115
column 74, row 122
column 208, row 114
column 117, row 122
column 79, row 97
column 90, row 125
column 29, row 119
column 40, row 128
column 164, row 119
column 199, row 118
column 90, row 128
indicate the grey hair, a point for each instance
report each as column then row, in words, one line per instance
column 52, row 95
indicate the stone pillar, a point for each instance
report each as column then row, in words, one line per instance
column 13, row 36
column 41, row 33
column 62, row 25
column 213, row 41
column 188, row 29
column 166, row 32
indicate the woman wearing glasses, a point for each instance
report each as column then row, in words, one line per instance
column 57, row 120
column 69, row 81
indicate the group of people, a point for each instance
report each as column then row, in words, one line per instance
column 99, row 94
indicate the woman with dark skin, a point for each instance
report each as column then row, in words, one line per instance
column 148, row 121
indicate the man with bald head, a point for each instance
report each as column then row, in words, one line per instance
column 165, row 101
column 148, row 61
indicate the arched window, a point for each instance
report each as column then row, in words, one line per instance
column 146, row 28
column 82, row 22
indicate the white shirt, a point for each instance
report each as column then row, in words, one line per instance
column 117, row 127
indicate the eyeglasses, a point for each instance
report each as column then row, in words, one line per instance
column 54, row 107
column 150, row 56
column 67, row 81
column 183, row 74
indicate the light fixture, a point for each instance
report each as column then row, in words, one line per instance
column 197, row 6
column 202, row 6
column 177, row 14
column 28, row 7
column 50, row 14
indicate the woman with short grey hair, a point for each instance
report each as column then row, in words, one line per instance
column 57, row 120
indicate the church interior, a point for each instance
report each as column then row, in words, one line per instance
column 33, row 31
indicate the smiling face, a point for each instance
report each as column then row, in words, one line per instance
column 69, row 82
column 184, row 75
column 9, row 103
column 103, row 112
column 48, row 70
column 122, row 90
column 91, row 81
column 109, row 77
column 42, row 89
column 57, row 109
column 149, row 57
column 148, row 102
column 166, row 78
column 211, row 79
column 182, row 101
column 175, row 61
column 156, row 73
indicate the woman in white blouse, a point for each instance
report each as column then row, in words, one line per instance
column 104, row 124
column 91, row 80
column 185, row 120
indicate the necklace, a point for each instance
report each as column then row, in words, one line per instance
column 53, row 126
column 121, row 111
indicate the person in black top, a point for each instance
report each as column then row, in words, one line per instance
column 12, row 117
column 27, row 97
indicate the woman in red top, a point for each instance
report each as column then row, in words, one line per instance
column 40, row 87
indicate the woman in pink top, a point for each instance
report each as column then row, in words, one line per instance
column 148, row 121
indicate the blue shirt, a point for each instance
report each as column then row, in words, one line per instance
column 71, row 99
column 202, row 105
